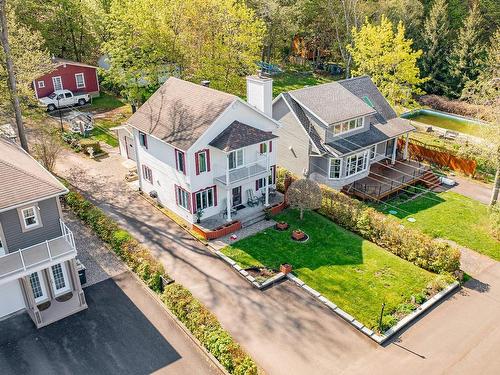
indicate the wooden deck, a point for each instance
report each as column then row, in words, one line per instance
column 386, row 179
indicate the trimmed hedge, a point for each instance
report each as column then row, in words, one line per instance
column 195, row 316
column 409, row 244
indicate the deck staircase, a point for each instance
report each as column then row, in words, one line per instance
column 430, row 180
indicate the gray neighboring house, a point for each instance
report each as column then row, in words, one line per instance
column 334, row 132
column 37, row 250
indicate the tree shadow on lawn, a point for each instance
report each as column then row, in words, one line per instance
column 327, row 245
column 411, row 207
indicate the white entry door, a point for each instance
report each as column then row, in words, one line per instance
column 57, row 82
column 59, row 278
column 38, row 286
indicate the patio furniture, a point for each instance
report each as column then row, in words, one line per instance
column 252, row 200
column 234, row 211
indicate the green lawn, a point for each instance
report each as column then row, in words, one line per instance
column 288, row 81
column 455, row 217
column 106, row 102
column 355, row 274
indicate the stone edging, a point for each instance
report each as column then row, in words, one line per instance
column 245, row 274
column 380, row 339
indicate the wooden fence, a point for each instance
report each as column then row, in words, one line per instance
column 440, row 156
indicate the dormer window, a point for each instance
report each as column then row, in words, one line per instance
column 347, row 126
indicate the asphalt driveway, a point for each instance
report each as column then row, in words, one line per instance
column 124, row 331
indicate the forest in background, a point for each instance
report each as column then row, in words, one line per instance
column 448, row 48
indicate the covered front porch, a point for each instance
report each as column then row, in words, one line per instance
column 244, row 213
column 386, row 178
column 46, row 277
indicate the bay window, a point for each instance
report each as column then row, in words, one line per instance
column 335, row 168
column 357, row 163
column 235, row 159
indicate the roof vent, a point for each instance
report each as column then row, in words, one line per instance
column 205, row 83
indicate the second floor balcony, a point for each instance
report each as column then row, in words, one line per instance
column 247, row 171
column 39, row 256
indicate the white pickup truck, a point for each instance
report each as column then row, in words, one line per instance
column 63, row 98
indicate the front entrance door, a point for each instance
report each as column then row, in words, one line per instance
column 129, row 144
column 59, row 279
column 389, row 147
column 236, row 196
column 38, row 286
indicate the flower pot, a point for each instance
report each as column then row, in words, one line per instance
column 285, row 268
column 298, row 235
column 281, row 225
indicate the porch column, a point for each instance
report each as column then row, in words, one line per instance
column 405, row 153
column 266, row 204
column 76, row 281
column 393, row 158
column 228, row 205
column 228, row 191
column 29, row 299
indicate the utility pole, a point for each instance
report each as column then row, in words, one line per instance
column 4, row 36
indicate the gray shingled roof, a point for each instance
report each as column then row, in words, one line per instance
column 238, row 135
column 306, row 123
column 331, row 102
column 376, row 134
column 363, row 87
column 22, row 178
column 179, row 112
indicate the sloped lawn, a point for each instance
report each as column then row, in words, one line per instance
column 355, row 274
column 452, row 216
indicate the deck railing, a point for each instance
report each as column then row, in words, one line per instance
column 29, row 258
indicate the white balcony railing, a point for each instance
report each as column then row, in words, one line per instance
column 29, row 259
column 245, row 172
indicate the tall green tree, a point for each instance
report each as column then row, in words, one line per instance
column 436, row 43
column 388, row 58
column 71, row 29
column 468, row 53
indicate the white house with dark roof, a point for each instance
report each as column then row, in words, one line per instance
column 336, row 131
column 203, row 151
column 37, row 250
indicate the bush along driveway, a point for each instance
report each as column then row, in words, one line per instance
column 194, row 315
column 355, row 274
column 454, row 217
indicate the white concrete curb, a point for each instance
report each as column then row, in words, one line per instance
column 380, row 339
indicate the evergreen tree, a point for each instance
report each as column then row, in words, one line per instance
column 467, row 56
column 435, row 37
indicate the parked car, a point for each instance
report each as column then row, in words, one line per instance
column 63, row 98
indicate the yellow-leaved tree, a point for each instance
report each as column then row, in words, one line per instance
column 388, row 58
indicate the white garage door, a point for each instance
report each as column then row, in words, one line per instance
column 11, row 298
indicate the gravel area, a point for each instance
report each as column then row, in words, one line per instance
column 101, row 262
column 222, row 242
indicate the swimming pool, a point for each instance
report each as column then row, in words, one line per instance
column 446, row 121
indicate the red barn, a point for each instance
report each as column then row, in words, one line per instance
column 69, row 75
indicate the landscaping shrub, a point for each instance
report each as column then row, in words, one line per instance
column 409, row 244
column 86, row 143
column 206, row 328
column 196, row 317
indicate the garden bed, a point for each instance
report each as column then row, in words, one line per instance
column 355, row 274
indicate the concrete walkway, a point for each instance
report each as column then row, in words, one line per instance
column 285, row 330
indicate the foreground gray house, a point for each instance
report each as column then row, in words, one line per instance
column 336, row 131
column 37, row 250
